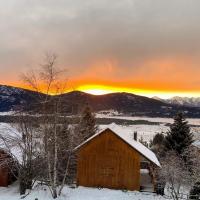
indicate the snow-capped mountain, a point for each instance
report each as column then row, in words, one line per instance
column 12, row 98
column 183, row 101
column 8, row 90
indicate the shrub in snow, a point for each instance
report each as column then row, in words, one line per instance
column 174, row 173
column 195, row 191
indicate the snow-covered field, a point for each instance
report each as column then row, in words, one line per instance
column 7, row 113
column 192, row 121
column 148, row 131
column 145, row 131
column 80, row 193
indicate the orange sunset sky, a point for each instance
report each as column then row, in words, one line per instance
column 148, row 47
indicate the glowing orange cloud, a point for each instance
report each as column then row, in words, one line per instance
column 99, row 88
column 156, row 77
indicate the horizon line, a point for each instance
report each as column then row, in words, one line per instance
column 105, row 90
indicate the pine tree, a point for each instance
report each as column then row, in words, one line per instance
column 87, row 126
column 157, row 144
column 158, row 139
column 179, row 137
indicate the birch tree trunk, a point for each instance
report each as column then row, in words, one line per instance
column 54, row 187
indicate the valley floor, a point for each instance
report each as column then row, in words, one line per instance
column 80, row 193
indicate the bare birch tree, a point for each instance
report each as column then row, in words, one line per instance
column 49, row 80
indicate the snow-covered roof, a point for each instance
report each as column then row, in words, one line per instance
column 196, row 143
column 127, row 136
column 14, row 135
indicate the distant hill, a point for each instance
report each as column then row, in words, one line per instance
column 121, row 102
column 125, row 103
column 183, row 101
column 12, row 98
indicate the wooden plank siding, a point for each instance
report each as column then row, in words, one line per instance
column 4, row 177
column 4, row 169
column 107, row 161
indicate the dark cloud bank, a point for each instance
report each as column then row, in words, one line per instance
column 129, row 33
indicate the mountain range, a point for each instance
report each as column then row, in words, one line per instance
column 183, row 101
column 12, row 98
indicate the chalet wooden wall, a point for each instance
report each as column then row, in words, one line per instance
column 4, row 170
column 4, row 177
column 107, row 161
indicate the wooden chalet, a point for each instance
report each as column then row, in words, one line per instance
column 113, row 159
column 6, row 176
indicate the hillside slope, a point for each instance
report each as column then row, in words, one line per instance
column 125, row 103
column 12, row 98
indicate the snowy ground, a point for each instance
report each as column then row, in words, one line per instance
column 145, row 131
column 148, row 131
column 80, row 193
column 13, row 134
column 192, row 121
column 42, row 193
column 7, row 113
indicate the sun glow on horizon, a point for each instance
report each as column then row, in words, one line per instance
column 103, row 89
column 98, row 89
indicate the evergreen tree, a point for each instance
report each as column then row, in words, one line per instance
column 158, row 139
column 87, row 126
column 157, row 144
column 179, row 137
